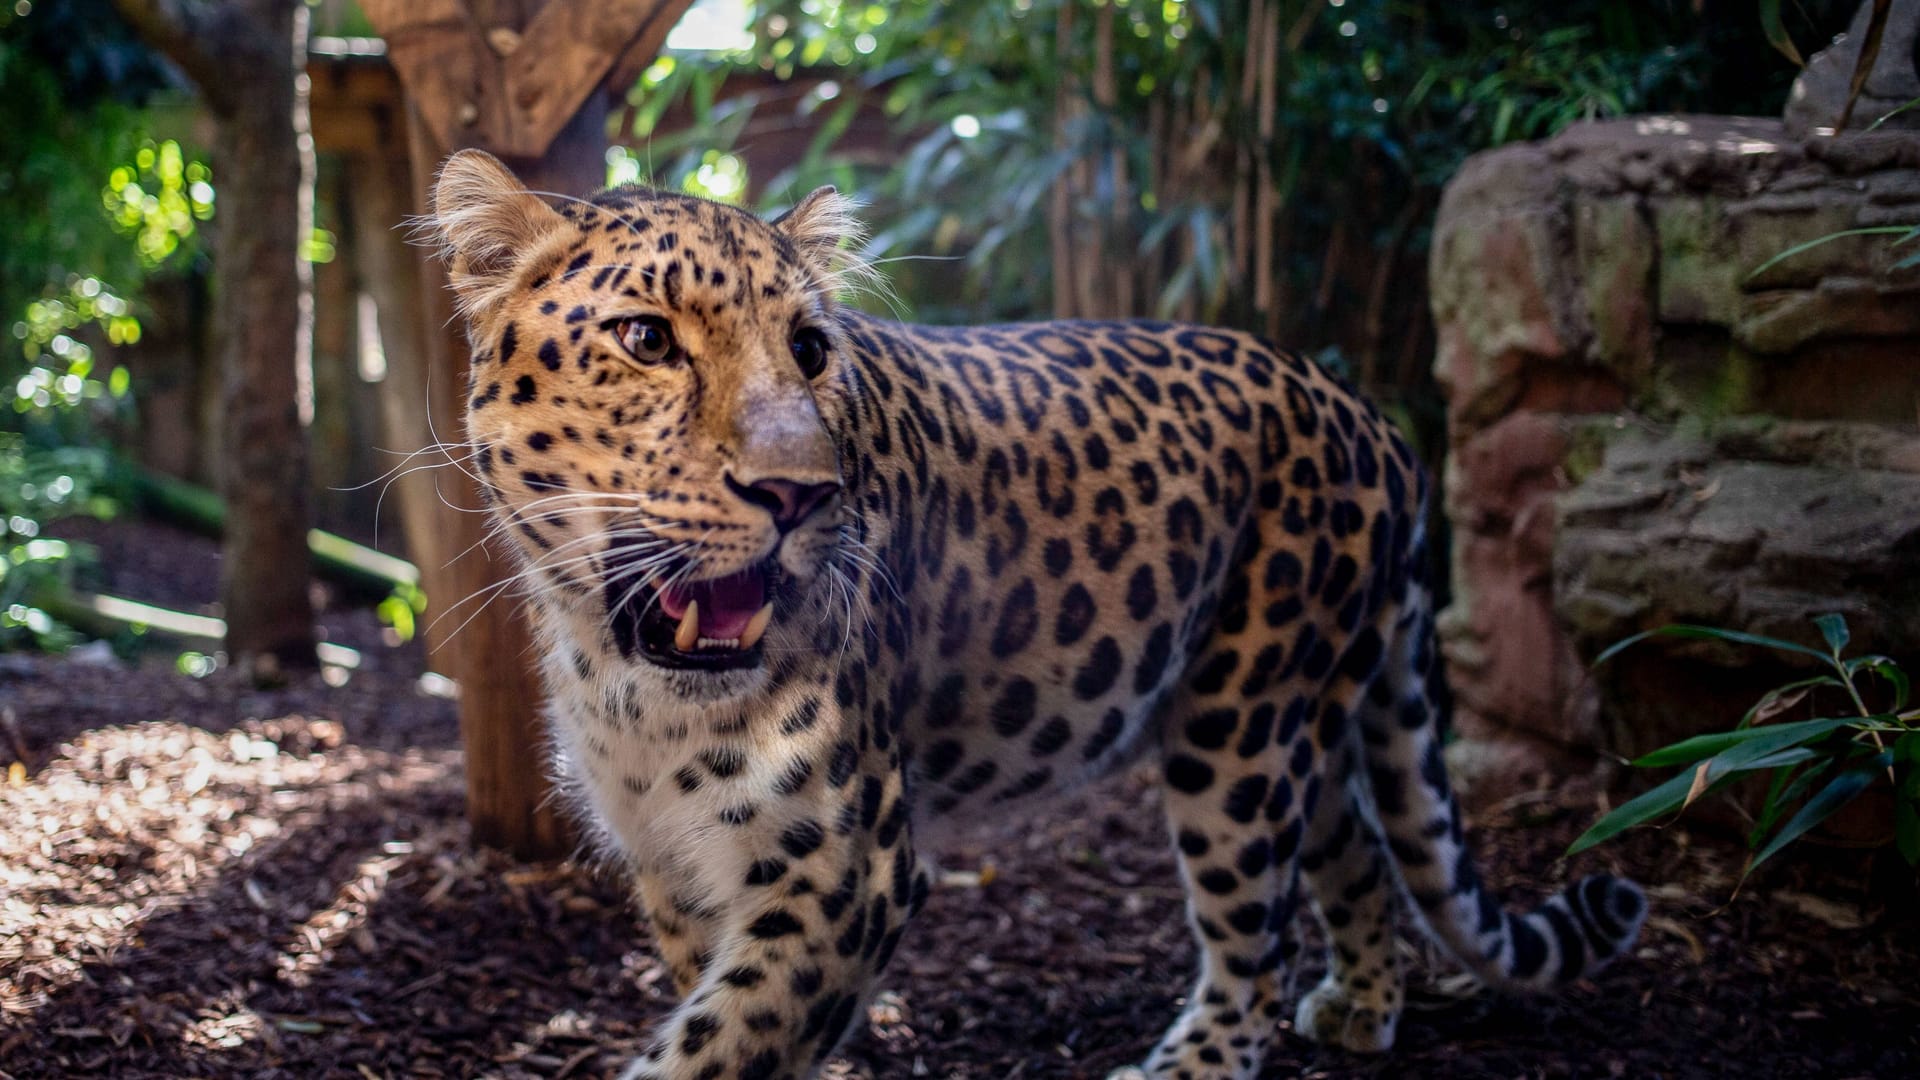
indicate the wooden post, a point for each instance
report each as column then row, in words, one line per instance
column 518, row 78
column 489, row 651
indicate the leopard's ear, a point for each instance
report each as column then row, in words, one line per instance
column 827, row 233
column 484, row 222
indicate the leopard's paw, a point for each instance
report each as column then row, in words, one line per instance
column 1329, row 1017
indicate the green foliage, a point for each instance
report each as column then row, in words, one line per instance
column 402, row 608
column 37, row 483
column 1403, row 90
column 73, row 79
column 93, row 204
column 1813, row 767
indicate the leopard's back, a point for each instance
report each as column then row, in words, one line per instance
column 1073, row 512
column 1108, row 538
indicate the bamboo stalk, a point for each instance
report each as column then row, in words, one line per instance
column 1060, row 200
column 1330, row 264
column 1384, row 264
column 1101, row 281
column 1266, row 208
column 105, row 616
column 1246, row 185
column 1297, row 34
column 335, row 557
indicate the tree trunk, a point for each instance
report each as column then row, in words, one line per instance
column 244, row 55
column 262, row 315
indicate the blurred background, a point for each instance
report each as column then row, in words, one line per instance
column 1019, row 159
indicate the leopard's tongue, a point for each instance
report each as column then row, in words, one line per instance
column 727, row 605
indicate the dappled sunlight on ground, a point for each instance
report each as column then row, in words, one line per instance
column 200, row 878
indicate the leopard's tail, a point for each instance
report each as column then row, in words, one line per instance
column 1576, row 932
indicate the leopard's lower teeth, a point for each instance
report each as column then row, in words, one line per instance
column 718, row 643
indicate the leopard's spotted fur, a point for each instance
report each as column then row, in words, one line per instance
column 1043, row 551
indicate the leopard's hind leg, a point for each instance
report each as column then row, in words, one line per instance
column 1357, row 899
column 1238, row 820
column 1248, row 780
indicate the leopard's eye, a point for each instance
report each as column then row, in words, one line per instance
column 647, row 338
column 810, row 351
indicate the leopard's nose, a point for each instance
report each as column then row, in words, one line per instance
column 789, row 501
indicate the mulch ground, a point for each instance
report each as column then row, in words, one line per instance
column 198, row 878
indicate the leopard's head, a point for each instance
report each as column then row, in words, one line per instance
column 657, row 381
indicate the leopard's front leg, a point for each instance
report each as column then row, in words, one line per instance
column 683, row 927
column 800, row 935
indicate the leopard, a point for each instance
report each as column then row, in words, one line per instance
column 810, row 589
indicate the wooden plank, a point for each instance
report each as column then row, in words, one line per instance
column 451, row 78
column 506, row 76
column 491, row 656
column 571, row 48
column 516, row 77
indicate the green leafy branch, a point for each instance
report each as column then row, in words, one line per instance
column 1813, row 767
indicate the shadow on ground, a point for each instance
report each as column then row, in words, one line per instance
column 197, row 879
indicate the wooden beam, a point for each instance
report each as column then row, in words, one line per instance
column 490, row 655
column 508, row 77
column 355, row 104
column 516, row 78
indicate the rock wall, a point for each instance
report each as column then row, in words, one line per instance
column 1644, row 429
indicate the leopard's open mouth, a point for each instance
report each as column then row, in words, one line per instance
column 715, row 624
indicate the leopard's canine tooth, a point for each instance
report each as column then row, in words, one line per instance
column 756, row 626
column 688, row 635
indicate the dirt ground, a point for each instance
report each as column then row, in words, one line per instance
column 201, row 879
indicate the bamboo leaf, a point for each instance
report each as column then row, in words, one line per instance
column 830, row 132
column 1893, row 112
column 1906, row 749
column 1776, row 32
column 1756, row 741
column 1770, row 705
column 1781, row 698
column 1765, row 748
column 1503, row 121
column 1886, row 669
column 1906, row 831
column 1636, row 811
column 1863, row 67
column 1834, row 629
column 1706, row 633
column 1786, row 789
column 1871, row 230
column 1840, row 791
column 1699, row 785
